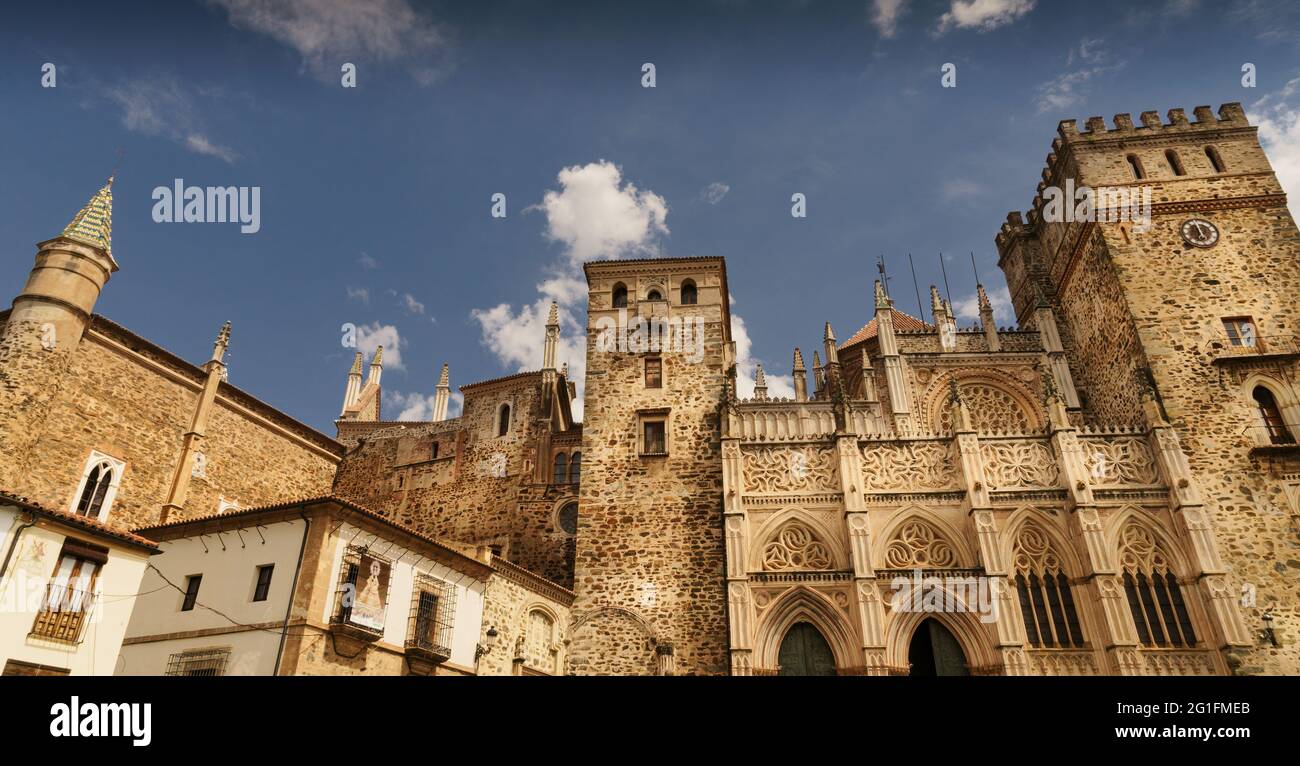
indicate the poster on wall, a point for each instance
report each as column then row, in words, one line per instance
column 370, row 603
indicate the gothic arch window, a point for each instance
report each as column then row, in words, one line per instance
column 1135, row 167
column 575, row 468
column 1046, row 602
column 98, row 486
column 796, row 547
column 992, row 405
column 1270, row 416
column 503, row 420
column 690, row 296
column 1155, row 598
column 654, row 295
column 620, row 296
column 918, row 544
column 1175, row 162
column 561, row 472
column 1216, row 161
column 95, row 490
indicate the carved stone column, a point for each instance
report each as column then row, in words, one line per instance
column 1185, row 502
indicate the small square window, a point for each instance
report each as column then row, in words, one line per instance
column 1241, row 331
column 654, row 437
column 191, row 592
column 263, row 582
column 654, row 372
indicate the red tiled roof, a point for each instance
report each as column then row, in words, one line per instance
column 94, row 526
column 285, row 505
column 902, row 321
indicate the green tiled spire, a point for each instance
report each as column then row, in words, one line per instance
column 94, row 224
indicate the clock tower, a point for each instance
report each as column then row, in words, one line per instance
column 1189, row 319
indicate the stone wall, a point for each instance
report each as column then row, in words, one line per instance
column 1131, row 299
column 133, row 401
column 482, row 489
column 649, row 564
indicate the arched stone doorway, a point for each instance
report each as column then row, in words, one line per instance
column 805, row 652
column 935, row 651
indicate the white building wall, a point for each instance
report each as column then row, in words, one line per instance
column 228, row 562
column 406, row 565
column 30, row 569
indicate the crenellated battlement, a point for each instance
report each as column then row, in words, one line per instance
column 1123, row 129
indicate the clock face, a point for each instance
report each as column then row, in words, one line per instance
column 1200, row 233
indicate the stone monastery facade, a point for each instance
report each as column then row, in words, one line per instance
column 1110, row 487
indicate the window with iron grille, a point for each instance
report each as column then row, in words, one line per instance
column 361, row 597
column 210, row 661
column 653, row 437
column 433, row 610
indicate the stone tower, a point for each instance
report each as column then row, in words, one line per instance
column 1198, row 308
column 46, row 323
column 649, row 563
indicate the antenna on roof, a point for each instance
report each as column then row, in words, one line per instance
column 946, row 292
column 920, row 312
column 974, row 268
column 884, row 277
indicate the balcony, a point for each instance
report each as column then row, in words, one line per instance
column 1225, row 350
column 64, row 614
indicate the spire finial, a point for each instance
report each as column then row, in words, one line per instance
column 798, row 360
column 554, row 317
column 223, row 342
column 882, row 299
column 378, row 360
column 444, row 377
column 828, row 334
column 985, row 304
column 356, row 365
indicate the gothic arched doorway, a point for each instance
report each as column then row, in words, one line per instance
column 804, row 652
column 934, row 651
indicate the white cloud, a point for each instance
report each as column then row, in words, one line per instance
column 358, row 294
column 884, row 15
column 957, row 189
column 968, row 306
column 199, row 144
column 371, row 336
column 158, row 106
column 516, row 337
column 367, row 262
column 778, row 386
column 1065, row 90
column 1278, row 118
column 328, row 32
column 714, row 192
column 595, row 215
column 983, row 15
column 410, row 305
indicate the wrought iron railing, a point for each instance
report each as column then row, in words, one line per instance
column 1257, row 345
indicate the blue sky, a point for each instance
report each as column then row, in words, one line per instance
column 375, row 200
